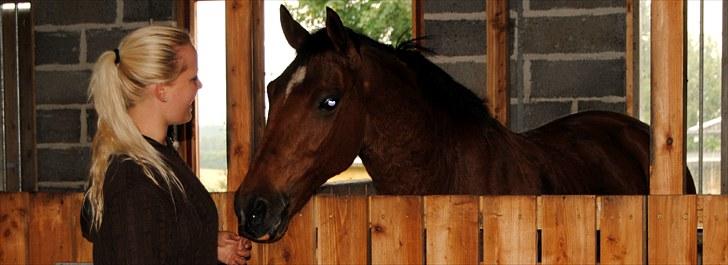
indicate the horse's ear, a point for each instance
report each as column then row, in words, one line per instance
column 294, row 32
column 336, row 31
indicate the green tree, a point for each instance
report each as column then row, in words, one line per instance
column 388, row 21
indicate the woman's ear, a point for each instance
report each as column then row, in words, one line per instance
column 160, row 92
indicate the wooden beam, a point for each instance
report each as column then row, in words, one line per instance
column 418, row 19
column 629, row 58
column 724, row 110
column 10, row 93
column 667, row 160
column 187, row 134
column 239, row 45
column 498, row 100
column 26, row 55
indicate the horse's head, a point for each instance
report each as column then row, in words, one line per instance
column 315, row 128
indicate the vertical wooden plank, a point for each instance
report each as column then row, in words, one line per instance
column 258, row 93
column 569, row 232
column 10, row 88
column 715, row 229
column 343, row 228
column 622, row 221
column 82, row 248
column 629, row 58
column 672, row 223
column 26, row 55
column 667, row 165
column 51, row 236
column 452, row 232
column 396, row 229
column 724, row 110
column 239, row 34
column 14, row 248
column 509, row 229
column 297, row 246
column 497, row 59
column 227, row 219
column 418, row 19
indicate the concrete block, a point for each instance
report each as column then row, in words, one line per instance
column 537, row 114
column 597, row 78
column 471, row 75
column 61, row 47
column 456, row 38
column 62, row 87
column 91, row 122
column 454, row 6
column 63, row 164
column 580, row 34
column 58, row 126
column 579, row 4
column 101, row 40
column 57, row 12
column 145, row 10
column 619, row 107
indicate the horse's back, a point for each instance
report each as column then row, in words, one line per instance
column 602, row 152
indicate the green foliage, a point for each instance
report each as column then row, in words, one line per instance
column 388, row 21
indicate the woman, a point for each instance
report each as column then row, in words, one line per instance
column 144, row 205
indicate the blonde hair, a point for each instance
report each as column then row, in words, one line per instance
column 146, row 56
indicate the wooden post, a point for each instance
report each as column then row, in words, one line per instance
column 239, row 24
column 497, row 59
column 667, row 164
column 724, row 110
column 629, row 58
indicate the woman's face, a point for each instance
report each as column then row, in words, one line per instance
column 180, row 93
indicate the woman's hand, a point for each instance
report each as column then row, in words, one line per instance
column 232, row 249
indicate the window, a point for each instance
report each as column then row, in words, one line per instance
column 704, row 55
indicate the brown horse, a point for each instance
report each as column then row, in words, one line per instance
column 417, row 132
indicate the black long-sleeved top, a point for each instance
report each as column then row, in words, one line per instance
column 142, row 224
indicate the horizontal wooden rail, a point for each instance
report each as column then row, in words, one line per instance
column 42, row 228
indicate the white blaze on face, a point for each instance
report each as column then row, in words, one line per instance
column 296, row 79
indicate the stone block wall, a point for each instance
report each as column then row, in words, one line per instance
column 566, row 56
column 69, row 36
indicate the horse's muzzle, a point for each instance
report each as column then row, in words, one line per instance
column 261, row 219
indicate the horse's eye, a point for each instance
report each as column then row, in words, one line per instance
column 329, row 103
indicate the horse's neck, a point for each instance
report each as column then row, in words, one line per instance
column 412, row 148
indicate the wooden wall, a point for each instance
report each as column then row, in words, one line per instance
column 43, row 228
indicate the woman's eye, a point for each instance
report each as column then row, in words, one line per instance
column 329, row 103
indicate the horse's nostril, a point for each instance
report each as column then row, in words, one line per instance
column 258, row 209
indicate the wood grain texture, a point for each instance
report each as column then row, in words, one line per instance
column 497, row 59
column 10, row 95
column 667, row 165
column 629, row 58
column 509, row 229
column 452, row 232
column 343, row 228
column 27, row 94
column 569, row 230
column 239, row 32
column 297, row 246
column 672, row 223
column 715, row 229
column 14, row 207
column 622, row 239
column 396, row 229
column 53, row 226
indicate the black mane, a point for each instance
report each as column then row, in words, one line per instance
column 438, row 87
